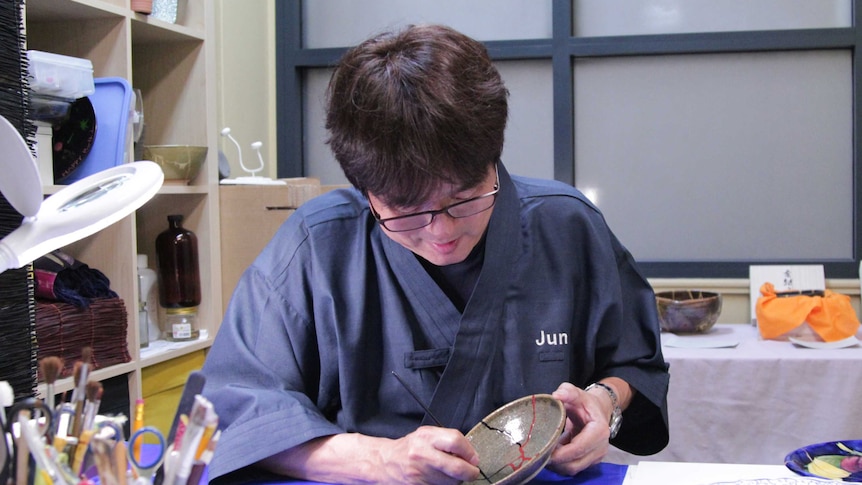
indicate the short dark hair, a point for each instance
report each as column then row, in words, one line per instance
column 411, row 109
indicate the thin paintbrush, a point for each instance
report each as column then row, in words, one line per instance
column 419, row 401
column 91, row 407
column 50, row 367
column 428, row 411
column 79, row 396
column 67, row 417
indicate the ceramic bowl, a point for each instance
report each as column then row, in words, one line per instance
column 178, row 162
column 515, row 441
column 688, row 311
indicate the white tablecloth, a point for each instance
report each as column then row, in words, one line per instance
column 757, row 402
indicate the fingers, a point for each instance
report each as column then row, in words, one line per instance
column 586, row 448
column 454, row 443
column 577, row 403
column 566, row 393
column 581, row 407
column 584, row 441
column 568, row 433
column 433, row 455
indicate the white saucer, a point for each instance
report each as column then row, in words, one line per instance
column 839, row 344
column 698, row 341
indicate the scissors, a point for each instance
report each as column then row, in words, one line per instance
column 145, row 465
column 38, row 410
column 99, row 447
column 17, row 465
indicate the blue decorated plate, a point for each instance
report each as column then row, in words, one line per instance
column 836, row 460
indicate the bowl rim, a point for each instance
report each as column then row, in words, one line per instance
column 705, row 295
column 175, row 146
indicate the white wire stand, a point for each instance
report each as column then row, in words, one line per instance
column 252, row 178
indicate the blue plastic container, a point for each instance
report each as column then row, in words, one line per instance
column 112, row 104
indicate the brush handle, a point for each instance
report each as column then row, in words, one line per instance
column 49, row 397
column 121, row 463
column 78, row 418
column 418, row 400
column 22, row 460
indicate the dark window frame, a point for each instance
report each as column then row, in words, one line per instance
column 562, row 49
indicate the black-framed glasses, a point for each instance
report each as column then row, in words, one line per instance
column 458, row 210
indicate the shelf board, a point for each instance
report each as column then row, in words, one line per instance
column 70, row 11
column 169, row 187
column 68, row 383
column 145, row 29
column 148, row 30
column 51, row 189
column 161, row 350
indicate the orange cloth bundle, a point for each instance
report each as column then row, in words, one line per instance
column 831, row 316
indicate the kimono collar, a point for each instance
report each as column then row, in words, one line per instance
column 459, row 391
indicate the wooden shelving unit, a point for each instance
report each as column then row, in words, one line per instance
column 173, row 65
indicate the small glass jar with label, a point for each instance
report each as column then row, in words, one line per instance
column 181, row 324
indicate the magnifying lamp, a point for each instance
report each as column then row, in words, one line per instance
column 74, row 212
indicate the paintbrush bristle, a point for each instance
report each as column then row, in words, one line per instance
column 87, row 355
column 93, row 390
column 50, row 367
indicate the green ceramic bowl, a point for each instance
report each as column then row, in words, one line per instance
column 178, row 162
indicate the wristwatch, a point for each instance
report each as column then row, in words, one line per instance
column 617, row 415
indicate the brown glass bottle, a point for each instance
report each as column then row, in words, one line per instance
column 179, row 273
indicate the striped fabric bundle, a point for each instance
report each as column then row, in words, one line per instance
column 63, row 330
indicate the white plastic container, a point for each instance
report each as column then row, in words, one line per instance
column 45, row 151
column 60, row 76
column 149, row 298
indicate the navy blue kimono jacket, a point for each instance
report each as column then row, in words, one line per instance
column 332, row 306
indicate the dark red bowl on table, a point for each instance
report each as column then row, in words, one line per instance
column 688, row 311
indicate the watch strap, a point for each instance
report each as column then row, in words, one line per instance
column 617, row 414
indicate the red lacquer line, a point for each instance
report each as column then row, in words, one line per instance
column 523, row 458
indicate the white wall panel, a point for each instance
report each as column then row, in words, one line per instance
column 340, row 23
column 720, row 157
column 631, row 17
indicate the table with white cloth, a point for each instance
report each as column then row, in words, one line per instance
column 758, row 401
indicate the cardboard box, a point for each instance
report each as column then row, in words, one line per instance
column 250, row 216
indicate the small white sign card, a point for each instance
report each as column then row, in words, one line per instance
column 784, row 278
